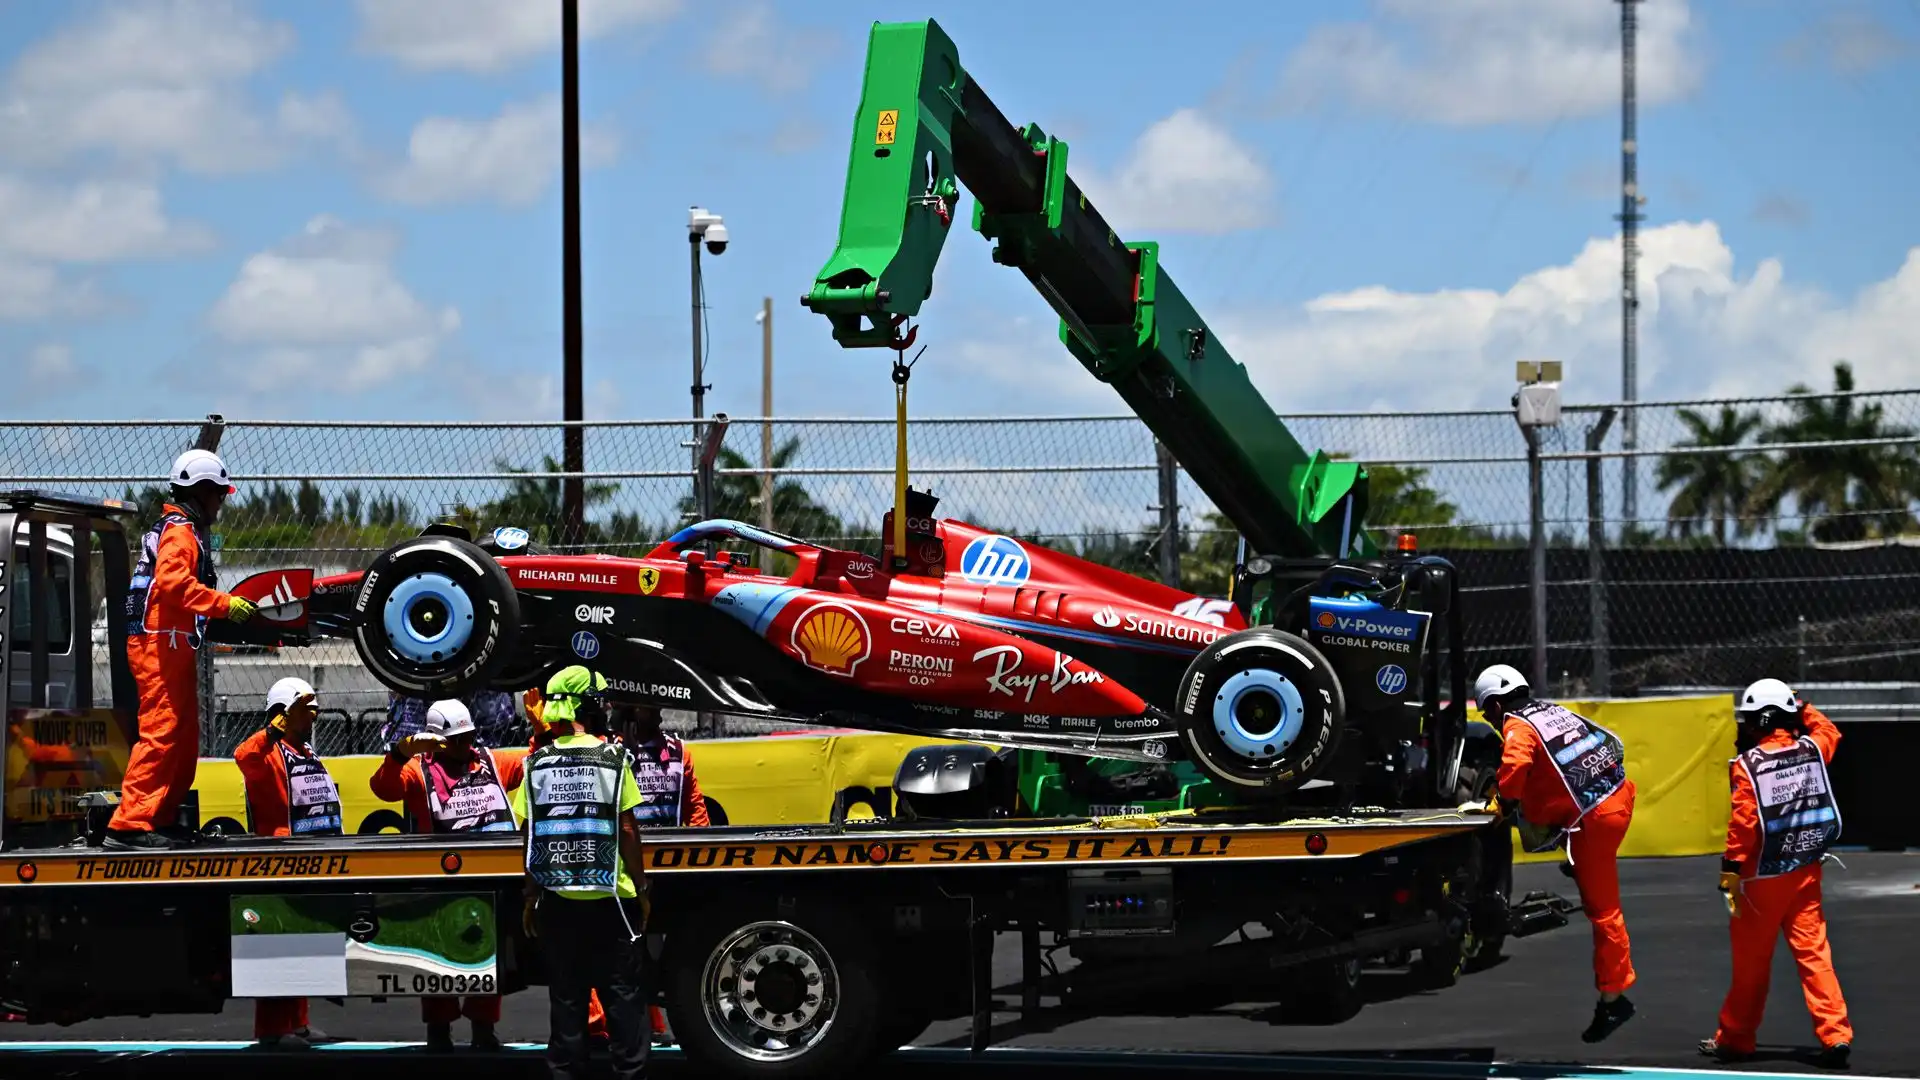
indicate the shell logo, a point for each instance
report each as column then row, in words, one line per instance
column 832, row 638
column 1325, row 619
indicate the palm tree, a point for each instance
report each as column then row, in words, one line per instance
column 1847, row 492
column 535, row 503
column 736, row 495
column 1713, row 487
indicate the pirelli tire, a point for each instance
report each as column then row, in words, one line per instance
column 436, row 618
column 1261, row 711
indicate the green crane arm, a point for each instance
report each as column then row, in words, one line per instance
column 924, row 128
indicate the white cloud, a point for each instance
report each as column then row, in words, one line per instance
column 1493, row 61
column 754, row 44
column 95, row 221
column 486, row 36
column 45, row 371
column 1184, row 174
column 509, row 158
column 153, row 81
column 1850, row 42
column 34, row 291
column 492, row 394
column 327, row 304
column 1704, row 329
column 1708, row 327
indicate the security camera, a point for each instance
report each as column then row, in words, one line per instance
column 702, row 224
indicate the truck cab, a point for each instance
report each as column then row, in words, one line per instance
column 70, row 698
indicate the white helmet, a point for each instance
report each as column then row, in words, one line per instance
column 1769, row 694
column 284, row 693
column 448, row 718
column 199, row 467
column 1497, row 681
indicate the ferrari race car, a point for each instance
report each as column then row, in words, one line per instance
column 979, row 636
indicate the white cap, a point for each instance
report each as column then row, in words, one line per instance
column 287, row 691
column 1769, row 694
column 199, row 467
column 448, row 718
column 1498, row 680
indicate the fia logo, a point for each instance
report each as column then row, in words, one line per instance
column 1106, row 617
column 1391, row 678
column 585, row 645
column 995, row 560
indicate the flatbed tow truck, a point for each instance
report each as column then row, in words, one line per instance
column 806, row 950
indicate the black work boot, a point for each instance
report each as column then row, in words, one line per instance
column 1712, row 1049
column 440, row 1038
column 484, row 1040
column 138, row 840
column 1836, row 1056
column 1607, row 1018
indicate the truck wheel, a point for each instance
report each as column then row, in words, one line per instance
column 438, row 617
column 1260, row 710
column 1439, row 966
column 1328, row 992
column 763, row 997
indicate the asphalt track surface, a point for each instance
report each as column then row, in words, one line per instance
column 1521, row 1018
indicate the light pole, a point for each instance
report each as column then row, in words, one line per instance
column 708, row 228
column 1536, row 405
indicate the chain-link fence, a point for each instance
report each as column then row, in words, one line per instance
column 1766, row 536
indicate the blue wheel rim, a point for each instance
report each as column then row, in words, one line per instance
column 409, row 597
column 1230, row 714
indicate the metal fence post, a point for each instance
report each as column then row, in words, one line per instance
column 1601, row 677
column 209, row 440
column 1169, row 515
column 1537, row 556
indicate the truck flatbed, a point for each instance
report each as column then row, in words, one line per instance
column 1130, row 840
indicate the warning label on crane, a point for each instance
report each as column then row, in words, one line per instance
column 883, row 131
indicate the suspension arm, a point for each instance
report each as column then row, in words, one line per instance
column 924, row 130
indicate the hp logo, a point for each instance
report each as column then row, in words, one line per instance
column 585, row 645
column 1391, row 679
column 995, row 560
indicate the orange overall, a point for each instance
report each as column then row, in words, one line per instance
column 1528, row 776
column 404, row 780
column 1768, row 906
column 172, row 587
column 263, row 772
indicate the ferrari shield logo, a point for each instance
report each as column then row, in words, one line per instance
column 649, row 579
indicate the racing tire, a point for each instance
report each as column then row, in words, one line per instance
column 438, row 618
column 819, row 952
column 1261, row 711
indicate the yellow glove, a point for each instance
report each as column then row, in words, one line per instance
column 1730, row 889
column 241, row 609
column 420, row 743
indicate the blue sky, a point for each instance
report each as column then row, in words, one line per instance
column 349, row 209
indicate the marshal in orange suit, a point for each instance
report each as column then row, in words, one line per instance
column 1565, row 778
column 169, row 601
column 1784, row 820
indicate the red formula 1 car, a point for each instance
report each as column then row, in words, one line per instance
column 979, row 637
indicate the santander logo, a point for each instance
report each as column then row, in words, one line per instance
column 1106, row 617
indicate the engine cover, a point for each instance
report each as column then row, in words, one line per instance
column 1377, row 651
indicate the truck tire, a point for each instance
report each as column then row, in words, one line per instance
column 818, row 968
column 438, row 617
column 1260, row 711
column 1327, row 992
